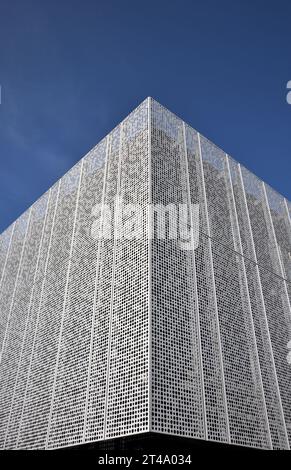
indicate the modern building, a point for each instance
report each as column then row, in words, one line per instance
column 107, row 337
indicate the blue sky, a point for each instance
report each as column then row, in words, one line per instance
column 70, row 70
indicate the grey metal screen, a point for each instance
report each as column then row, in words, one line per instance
column 101, row 338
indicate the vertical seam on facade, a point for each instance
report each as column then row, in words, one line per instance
column 7, row 255
column 263, row 304
column 38, row 315
column 289, row 220
column 278, row 253
column 214, row 293
column 287, row 211
column 276, row 246
column 28, row 315
column 248, row 302
column 284, row 274
column 112, row 280
column 64, row 305
column 200, row 357
column 149, row 234
column 16, row 284
column 100, row 241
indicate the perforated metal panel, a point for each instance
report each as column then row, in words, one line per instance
column 101, row 338
column 127, row 381
column 71, row 381
column 177, row 391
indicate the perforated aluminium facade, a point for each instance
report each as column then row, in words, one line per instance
column 101, row 338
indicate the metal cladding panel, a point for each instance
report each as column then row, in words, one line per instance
column 10, row 287
column 280, row 219
column 215, row 400
column 279, row 215
column 265, row 247
column 274, row 287
column 279, row 321
column 5, row 239
column 20, row 314
column 245, row 399
column 19, row 397
column 128, row 368
column 97, row 373
column 19, row 309
column 106, row 337
column 10, row 274
column 36, row 417
column 265, row 350
column 66, row 426
column 177, row 391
